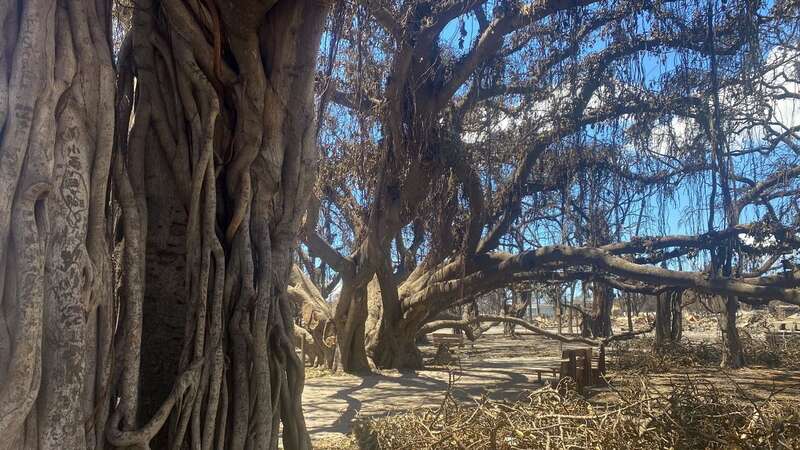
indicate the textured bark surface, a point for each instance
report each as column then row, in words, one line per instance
column 521, row 305
column 56, row 125
column 186, row 340
column 317, row 332
column 164, row 304
column 732, row 352
column 216, row 168
column 600, row 317
column 669, row 318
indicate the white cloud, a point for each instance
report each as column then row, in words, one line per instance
column 498, row 123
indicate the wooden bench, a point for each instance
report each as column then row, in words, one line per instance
column 552, row 370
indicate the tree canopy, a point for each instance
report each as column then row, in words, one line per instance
column 469, row 146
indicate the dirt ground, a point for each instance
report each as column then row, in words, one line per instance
column 495, row 366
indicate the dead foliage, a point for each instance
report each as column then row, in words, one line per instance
column 692, row 415
column 337, row 442
column 638, row 355
column 318, row 372
column 781, row 353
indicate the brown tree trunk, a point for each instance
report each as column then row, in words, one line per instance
column 663, row 319
column 558, row 311
column 629, row 308
column 316, row 319
column 677, row 316
column 215, row 145
column 506, row 308
column 519, row 309
column 56, row 304
column 350, row 318
column 397, row 349
column 602, row 302
column 571, row 304
column 393, row 343
column 163, row 320
column 732, row 353
column 669, row 318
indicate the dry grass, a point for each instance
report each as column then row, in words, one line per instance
column 342, row 442
column 692, row 415
column 638, row 355
column 781, row 354
column 317, row 372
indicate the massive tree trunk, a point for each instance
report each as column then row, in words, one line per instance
column 163, row 321
column 56, row 304
column 392, row 335
column 219, row 103
column 217, row 121
column 350, row 317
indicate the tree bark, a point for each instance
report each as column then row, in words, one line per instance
column 629, row 311
column 732, row 353
column 393, row 336
column 316, row 317
column 507, row 308
column 165, row 301
column 600, row 318
column 522, row 303
column 669, row 321
column 350, row 317
column 219, row 104
column 677, row 317
column 56, row 304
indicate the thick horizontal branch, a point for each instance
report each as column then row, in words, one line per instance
column 540, row 331
column 465, row 325
column 494, row 270
column 648, row 244
column 616, row 265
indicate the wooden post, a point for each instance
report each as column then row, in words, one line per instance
column 587, row 366
column 571, row 303
column 569, row 367
column 601, row 363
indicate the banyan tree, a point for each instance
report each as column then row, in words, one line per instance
column 454, row 124
column 167, row 235
column 151, row 198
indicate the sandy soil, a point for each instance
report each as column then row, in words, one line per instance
column 499, row 367
column 496, row 366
